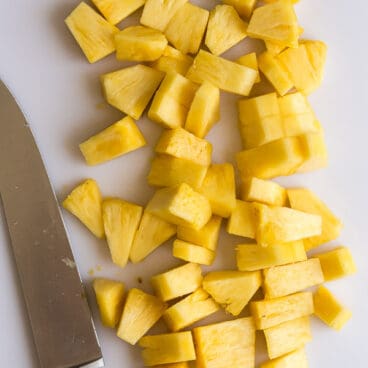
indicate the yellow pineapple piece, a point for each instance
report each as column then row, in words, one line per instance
column 316, row 51
column 294, row 104
column 173, row 365
column 273, row 47
column 250, row 60
column 151, row 233
column 291, row 278
column 121, row 221
column 141, row 311
column 94, row 34
column 167, row 348
column 114, row 141
column 191, row 309
column 243, row 7
column 193, row 253
column 85, row 203
column 178, row 281
column 243, row 220
column 226, row 344
column 296, row 358
column 219, row 188
column 273, row 1
column 204, row 111
column 186, row 28
column 272, row 312
column 225, row 29
column 224, row 74
column 109, row 296
column 130, row 89
column 329, row 309
column 232, row 289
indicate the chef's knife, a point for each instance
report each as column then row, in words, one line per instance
column 58, row 311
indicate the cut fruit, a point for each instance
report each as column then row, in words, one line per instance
column 273, row 47
column 174, row 365
column 243, row 7
column 250, row 61
column 295, row 359
column 193, row 253
column 243, row 220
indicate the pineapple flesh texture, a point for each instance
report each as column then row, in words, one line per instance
column 151, row 233
column 232, row 289
column 288, row 279
column 186, row 28
column 191, row 309
column 225, row 29
column 109, row 296
column 316, row 51
column 273, row 47
column 243, row 7
column 226, row 344
column 121, row 221
column 295, row 359
column 173, row 365
column 224, row 74
column 85, row 203
column 193, row 253
column 93, row 33
column 114, row 141
column 130, row 89
column 141, row 311
column 167, row 348
column 178, row 281
column 250, row 61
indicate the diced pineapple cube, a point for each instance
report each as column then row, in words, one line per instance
column 289, row 279
column 243, row 220
column 316, row 51
column 94, row 34
column 294, row 104
column 193, row 253
column 131, row 89
column 85, row 203
column 226, row 344
column 191, row 309
column 243, row 7
column 250, row 60
column 141, row 311
column 232, row 289
column 177, row 282
column 273, row 47
column 296, row 359
column 109, row 296
column 257, row 108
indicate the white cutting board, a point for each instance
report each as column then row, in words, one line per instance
column 59, row 92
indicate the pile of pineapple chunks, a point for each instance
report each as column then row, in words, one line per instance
column 178, row 78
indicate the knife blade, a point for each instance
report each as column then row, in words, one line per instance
column 56, row 303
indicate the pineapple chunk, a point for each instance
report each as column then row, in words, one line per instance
column 289, row 279
column 152, row 232
column 250, row 61
column 141, row 312
column 294, row 104
column 274, row 48
column 316, row 51
column 85, row 203
column 222, row 73
column 204, row 111
column 226, row 344
column 270, row 313
column 121, row 221
column 186, row 28
column 139, row 43
column 109, row 296
column 172, row 101
column 114, row 141
column 287, row 337
column 243, row 7
column 94, row 34
column 243, row 220
column 252, row 257
column 260, row 107
column 130, row 89
column 329, row 310
column 193, row 253
column 295, row 359
column 191, row 309
column 177, row 282
column 225, row 29
column 173, row 365
column 232, row 289
column 219, row 188
column 181, row 205
column 167, row 348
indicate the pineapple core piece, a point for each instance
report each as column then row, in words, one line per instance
column 186, row 28
column 226, row 344
column 193, row 253
column 141, row 311
column 114, row 141
column 243, row 7
column 152, row 232
column 269, row 313
column 250, row 60
column 222, row 73
column 121, row 220
column 130, row 89
column 225, row 29
column 167, row 348
column 191, row 309
column 177, row 282
column 289, row 279
column 85, row 203
column 232, row 289
column 94, row 34
column 287, row 337
column 109, row 296
column 295, row 359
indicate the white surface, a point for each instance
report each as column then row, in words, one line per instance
column 59, row 92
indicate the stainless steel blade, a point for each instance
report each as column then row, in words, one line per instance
column 60, row 318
